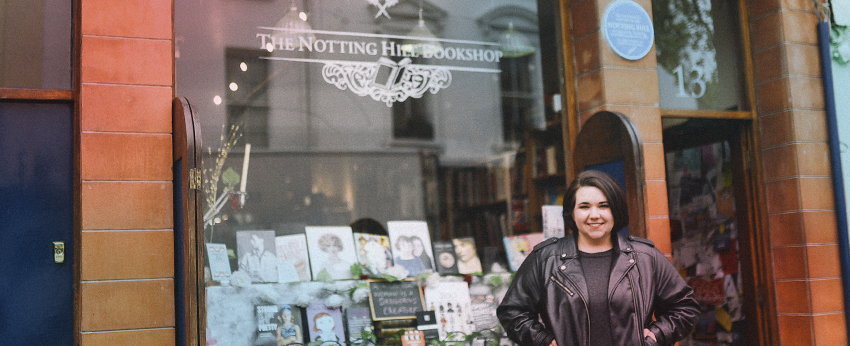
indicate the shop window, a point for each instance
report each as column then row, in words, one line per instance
column 247, row 94
column 400, row 124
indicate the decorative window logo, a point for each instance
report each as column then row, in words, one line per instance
column 382, row 8
column 384, row 79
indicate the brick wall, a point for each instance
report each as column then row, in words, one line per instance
column 127, row 241
column 796, row 169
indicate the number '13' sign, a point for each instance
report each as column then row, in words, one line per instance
column 695, row 87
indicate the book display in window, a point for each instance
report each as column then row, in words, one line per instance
column 373, row 252
column 290, row 329
column 358, row 322
column 331, row 251
column 325, row 324
column 518, row 247
column 411, row 245
column 467, row 255
column 293, row 261
column 257, row 256
column 219, row 262
column 446, row 259
column 451, row 303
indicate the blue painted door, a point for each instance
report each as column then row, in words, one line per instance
column 36, row 210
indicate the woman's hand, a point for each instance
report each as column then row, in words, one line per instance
column 649, row 337
column 553, row 343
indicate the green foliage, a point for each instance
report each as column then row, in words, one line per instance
column 324, row 276
column 357, row 270
column 230, row 178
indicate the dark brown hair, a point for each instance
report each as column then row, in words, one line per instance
column 609, row 187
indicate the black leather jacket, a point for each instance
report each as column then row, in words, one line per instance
column 550, row 284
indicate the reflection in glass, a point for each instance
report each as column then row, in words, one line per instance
column 698, row 51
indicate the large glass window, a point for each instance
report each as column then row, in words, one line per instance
column 328, row 125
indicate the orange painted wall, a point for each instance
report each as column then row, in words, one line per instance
column 127, row 240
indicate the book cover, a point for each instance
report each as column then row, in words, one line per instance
column 452, row 306
column 426, row 321
column 484, row 311
column 468, row 261
column 293, row 262
column 373, row 252
column 219, row 262
column 358, row 320
column 278, row 325
column 411, row 245
column 444, row 252
column 325, row 324
column 331, row 248
column 290, row 327
column 553, row 221
column 257, row 256
column 518, row 247
column 266, row 325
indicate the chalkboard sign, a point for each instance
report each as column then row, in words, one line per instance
column 395, row 300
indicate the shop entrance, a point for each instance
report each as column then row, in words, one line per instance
column 37, row 209
column 712, row 231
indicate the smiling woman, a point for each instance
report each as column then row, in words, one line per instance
column 584, row 263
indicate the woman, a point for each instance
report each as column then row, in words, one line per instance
column 288, row 333
column 595, row 286
column 405, row 257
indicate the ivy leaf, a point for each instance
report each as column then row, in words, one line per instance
column 496, row 280
column 324, row 276
column 230, row 178
column 356, row 270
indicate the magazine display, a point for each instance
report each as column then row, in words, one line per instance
column 331, row 249
column 257, row 256
column 411, row 245
column 293, row 261
column 373, row 252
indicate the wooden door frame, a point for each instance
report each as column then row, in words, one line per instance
column 188, row 211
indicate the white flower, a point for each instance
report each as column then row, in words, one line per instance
column 303, row 299
column 334, row 301
column 240, row 279
column 433, row 280
column 397, row 271
column 360, row 295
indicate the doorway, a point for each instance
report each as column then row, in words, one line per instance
column 37, row 209
column 712, row 227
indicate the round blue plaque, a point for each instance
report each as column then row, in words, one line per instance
column 628, row 29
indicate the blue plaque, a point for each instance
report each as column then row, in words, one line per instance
column 628, row 29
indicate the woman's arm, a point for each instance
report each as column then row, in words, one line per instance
column 518, row 312
column 675, row 305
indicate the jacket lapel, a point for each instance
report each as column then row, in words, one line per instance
column 623, row 262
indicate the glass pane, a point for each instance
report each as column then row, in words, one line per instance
column 364, row 116
column 699, row 55
column 35, row 44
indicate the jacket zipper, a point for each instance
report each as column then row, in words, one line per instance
column 638, row 313
column 586, row 311
column 562, row 285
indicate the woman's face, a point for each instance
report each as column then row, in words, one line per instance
column 464, row 250
column 405, row 247
column 593, row 216
column 418, row 248
column 287, row 316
